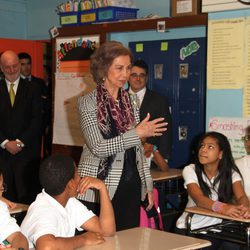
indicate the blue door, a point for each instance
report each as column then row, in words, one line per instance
column 182, row 63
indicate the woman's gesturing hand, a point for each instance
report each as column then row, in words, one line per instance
column 148, row 128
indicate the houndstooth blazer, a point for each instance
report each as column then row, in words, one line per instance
column 96, row 148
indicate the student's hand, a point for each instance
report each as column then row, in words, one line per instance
column 90, row 182
column 92, row 238
column 244, row 211
column 143, row 140
column 148, row 128
column 6, row 247
column 12, row 147
column 232, row 210
column 148, row 149
column 9, row 203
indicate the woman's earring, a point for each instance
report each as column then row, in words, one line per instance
column 103, row 79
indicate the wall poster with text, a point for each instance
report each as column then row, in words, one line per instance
column 72, row 79
column 234, row 129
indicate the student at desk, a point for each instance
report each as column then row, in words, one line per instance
column 212, row 183
column 52, row 218
column 152, row 154
column 10, row 233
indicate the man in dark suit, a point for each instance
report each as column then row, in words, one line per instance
column 26, row 73
column 20, row 131
column 153, row 103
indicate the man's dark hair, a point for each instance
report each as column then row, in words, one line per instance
column 55, row 172
column 141, row 64
column 24, row 55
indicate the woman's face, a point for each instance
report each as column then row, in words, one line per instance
column 118, row 73
column 209, row 152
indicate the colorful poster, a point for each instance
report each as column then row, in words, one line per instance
column 72, row 79
column 72, row 54
column 234, row 129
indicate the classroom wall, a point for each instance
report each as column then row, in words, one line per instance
column 13, row 19
column 227, row 103
column 34, row 48
column 31, row 19
column 41, row 17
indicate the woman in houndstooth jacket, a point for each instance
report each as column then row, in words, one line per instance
column 110, row 125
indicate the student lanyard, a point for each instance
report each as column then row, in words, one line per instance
column 212, row 183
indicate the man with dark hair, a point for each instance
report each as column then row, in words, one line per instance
column 154, row 104
column 26, row 73
column 52, row 218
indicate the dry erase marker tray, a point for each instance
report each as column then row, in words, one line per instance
column 104, row 14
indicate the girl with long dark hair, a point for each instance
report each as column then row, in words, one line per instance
column 214, row 182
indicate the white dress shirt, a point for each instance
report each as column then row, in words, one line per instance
column 140, row 94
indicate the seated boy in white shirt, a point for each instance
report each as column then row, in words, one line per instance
column 10, row 234
column 52, row 218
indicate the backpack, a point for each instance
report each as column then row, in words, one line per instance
column 152, row 218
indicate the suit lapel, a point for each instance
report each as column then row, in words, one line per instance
column 146, row 99
column 21, row 90
column 5, row 98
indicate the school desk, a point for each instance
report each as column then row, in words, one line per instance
column 19, row 208
column 236, row 230
column 168, row 182
column 148, row 239
column 19, row 212
column 171, row 174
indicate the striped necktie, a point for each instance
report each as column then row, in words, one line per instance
column 135, row 100
column 12, row 94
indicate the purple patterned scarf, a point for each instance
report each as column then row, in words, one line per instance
column 122, row 114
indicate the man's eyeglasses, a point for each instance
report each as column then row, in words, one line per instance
column 246, row 138
column 141, row 76
column 3, row 188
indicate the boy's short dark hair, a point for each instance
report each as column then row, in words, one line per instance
column 141, row 64
column 55, row 172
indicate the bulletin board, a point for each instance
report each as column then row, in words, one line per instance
column 72, row 80
column 228, row 66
